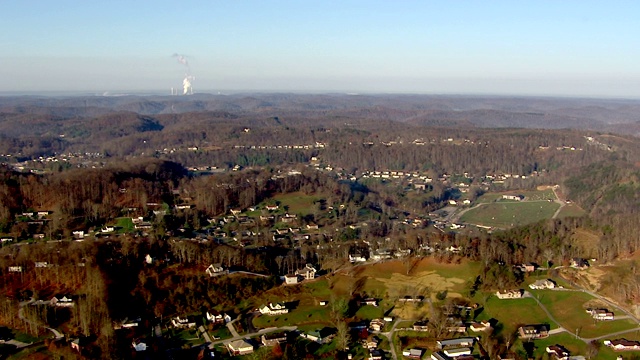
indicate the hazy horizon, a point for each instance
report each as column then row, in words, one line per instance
column 546, row 48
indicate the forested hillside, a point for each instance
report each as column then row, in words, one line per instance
column 124, row 203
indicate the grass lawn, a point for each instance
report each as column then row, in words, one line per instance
column 318, row 288
column 301, row 315
column 26, row 338
column 368, row 312
column 410, row 339
column 575, row 346
column 220, row 333
column 36, row 353
column 507, row 214
column 188, row 337
column 538, row 194
column 514, row 312
column 568, row 307
column 488, row 198
column 125, row 224
column 571, row 210
column 297, row 202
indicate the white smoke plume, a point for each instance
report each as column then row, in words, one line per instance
column 182, row 59
column 188, row 78
column 186, row 85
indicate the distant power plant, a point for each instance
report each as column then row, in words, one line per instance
column 187, row 88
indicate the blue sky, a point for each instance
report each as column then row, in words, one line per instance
column 568, row 48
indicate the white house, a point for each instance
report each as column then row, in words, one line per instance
column 509, row 294
column 215, row 318
column 457, row 352
column 239, row 347
column 273, row 309
column 185, row 322
column 308, row 272
column 481, row 326
column 622, row 344
column 62, row 301
column 543, row 284
column 215, row 270
column 290, row 279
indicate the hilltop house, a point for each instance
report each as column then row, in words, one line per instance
column 215, row 270
column 510, row 294
column 371, row 342
column 421, row 326
column 239, row 347
column 528, row 267
column 370, row 301
column 273, row 309
column 291, row 279
column 185, row 322
column 322, row 336
column 579, row 263
column 513, row 197
column 455, row 343
column 543, row 284
column 412, row 353
column 457, row 352
column 622, row 344
column 355, row 258
column 61, row 301
column 531, row 332
column 558, row 351
column 376, row 325
column 217, row 318
column 481, row 326
column 273, row 338
column 308, row 272
column 601, row 314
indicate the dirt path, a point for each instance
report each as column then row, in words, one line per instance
column 557, row 201
column 56, row 333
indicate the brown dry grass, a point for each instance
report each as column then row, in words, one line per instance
column 587, row 240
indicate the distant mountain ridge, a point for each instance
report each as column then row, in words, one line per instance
column 551, row 113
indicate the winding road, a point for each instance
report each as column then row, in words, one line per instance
column 247, row 336
column 57, row 334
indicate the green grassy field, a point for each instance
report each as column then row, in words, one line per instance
column 369, row 312
column 571, row 210
column 301, row 315
column 530, row 195
column 125, row 224
column 220, row 333
column 487, row 198
column 568, row 307
column 507, row 214
column 512, row 313
column 189, row 337
column 318, row 289
column 297, row 203
column 575, row 346
column 538, row 195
